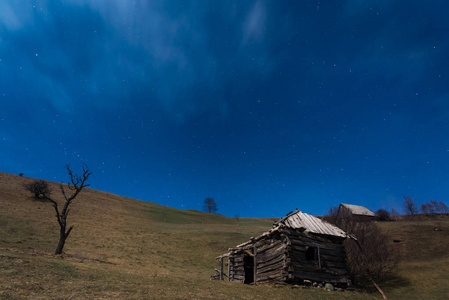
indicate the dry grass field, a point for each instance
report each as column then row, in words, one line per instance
column 128, row 249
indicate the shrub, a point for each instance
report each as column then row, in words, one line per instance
column 382, row 215
column 38, row 188
column 372, row 256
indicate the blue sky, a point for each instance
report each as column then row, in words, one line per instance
column 265, row 106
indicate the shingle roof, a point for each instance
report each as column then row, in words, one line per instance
column 309, row 223
column 358, row 210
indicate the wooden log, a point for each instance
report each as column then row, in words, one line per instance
column 268, row 268
column 269, row 246
column 255, row 265
column 307, row 268
column 320, row 277
column 273, row 260
column 229, row 270
column 336, row 265
column 310, row 242
column 221, row 268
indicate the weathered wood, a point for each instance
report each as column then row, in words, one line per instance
column 313, row 243
column 229, row 270
column 320, row 277
column 272, row 252
column 276, row 266
column 255, row 264
column 319, row 259
column 267, row 247
column 307, row 268
column 272, row 261
column 335, row 265
column 221, row 268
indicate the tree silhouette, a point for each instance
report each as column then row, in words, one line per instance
column 38, row 187
column 210, row 205
column 76, row 184
column 410, row 206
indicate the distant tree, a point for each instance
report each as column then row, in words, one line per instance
column 410, row 206
column 443, row 207
column 371, row 257
column 382, row 215
column 331, row 215
column 76, row 184
column 435, row 206
column 21, row 174
column 38, row 187
column 237, row 218
column 424, row 209
column 209, row 205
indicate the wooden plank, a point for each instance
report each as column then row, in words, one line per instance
column 270, row 260
column 310, row 242
column 270, row 246
column 336, row 265
column 276, row 266
column 229, row 270
column 307, row 268
column 321, row 277
column 221, row 268
column 255, row 264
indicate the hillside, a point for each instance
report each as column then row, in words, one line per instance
column 125, row 248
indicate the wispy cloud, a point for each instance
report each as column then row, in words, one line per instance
column 254, row 25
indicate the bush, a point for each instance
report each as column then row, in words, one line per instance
column 382, row 215
column 38, row 188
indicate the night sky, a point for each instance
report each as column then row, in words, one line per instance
column 265, row 106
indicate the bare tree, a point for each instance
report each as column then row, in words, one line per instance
column 38, row 187
column 372, row 256
column 443, row 207
column 410, row 206
column 435, row 206
column 331, row 215
column 75, row 185
column 237, row 218
column 210, row 205
column 424, row 208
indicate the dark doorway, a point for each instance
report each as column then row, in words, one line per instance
column 248, row 264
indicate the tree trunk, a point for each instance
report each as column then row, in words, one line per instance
column 62, row 238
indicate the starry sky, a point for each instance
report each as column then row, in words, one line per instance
column 265, row 106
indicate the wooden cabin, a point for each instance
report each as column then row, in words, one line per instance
column 355, row 213
column 299, row 247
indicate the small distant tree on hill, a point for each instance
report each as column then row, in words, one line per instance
column 237, row 218
column 424, row 209
column 38, row 188
column 382, row 215
column 433, row 207
column 331, row 215
column 443, row 207
column 410, row 206
column 75, row 185
column 209, row 205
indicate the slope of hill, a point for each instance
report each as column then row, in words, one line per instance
column 125, row 248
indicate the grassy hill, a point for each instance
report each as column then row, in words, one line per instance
column 129, row 249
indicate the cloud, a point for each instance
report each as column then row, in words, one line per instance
column 8, row 17
column 254, row 25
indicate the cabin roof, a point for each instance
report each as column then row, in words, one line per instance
column 309, row 223
column 358, row 210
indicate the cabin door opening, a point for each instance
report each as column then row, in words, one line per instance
column 248, row 264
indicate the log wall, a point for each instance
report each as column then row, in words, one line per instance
column 281, row 256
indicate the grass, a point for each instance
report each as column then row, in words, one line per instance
column 128, row 249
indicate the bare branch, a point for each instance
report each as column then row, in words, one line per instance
column 76, row 184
